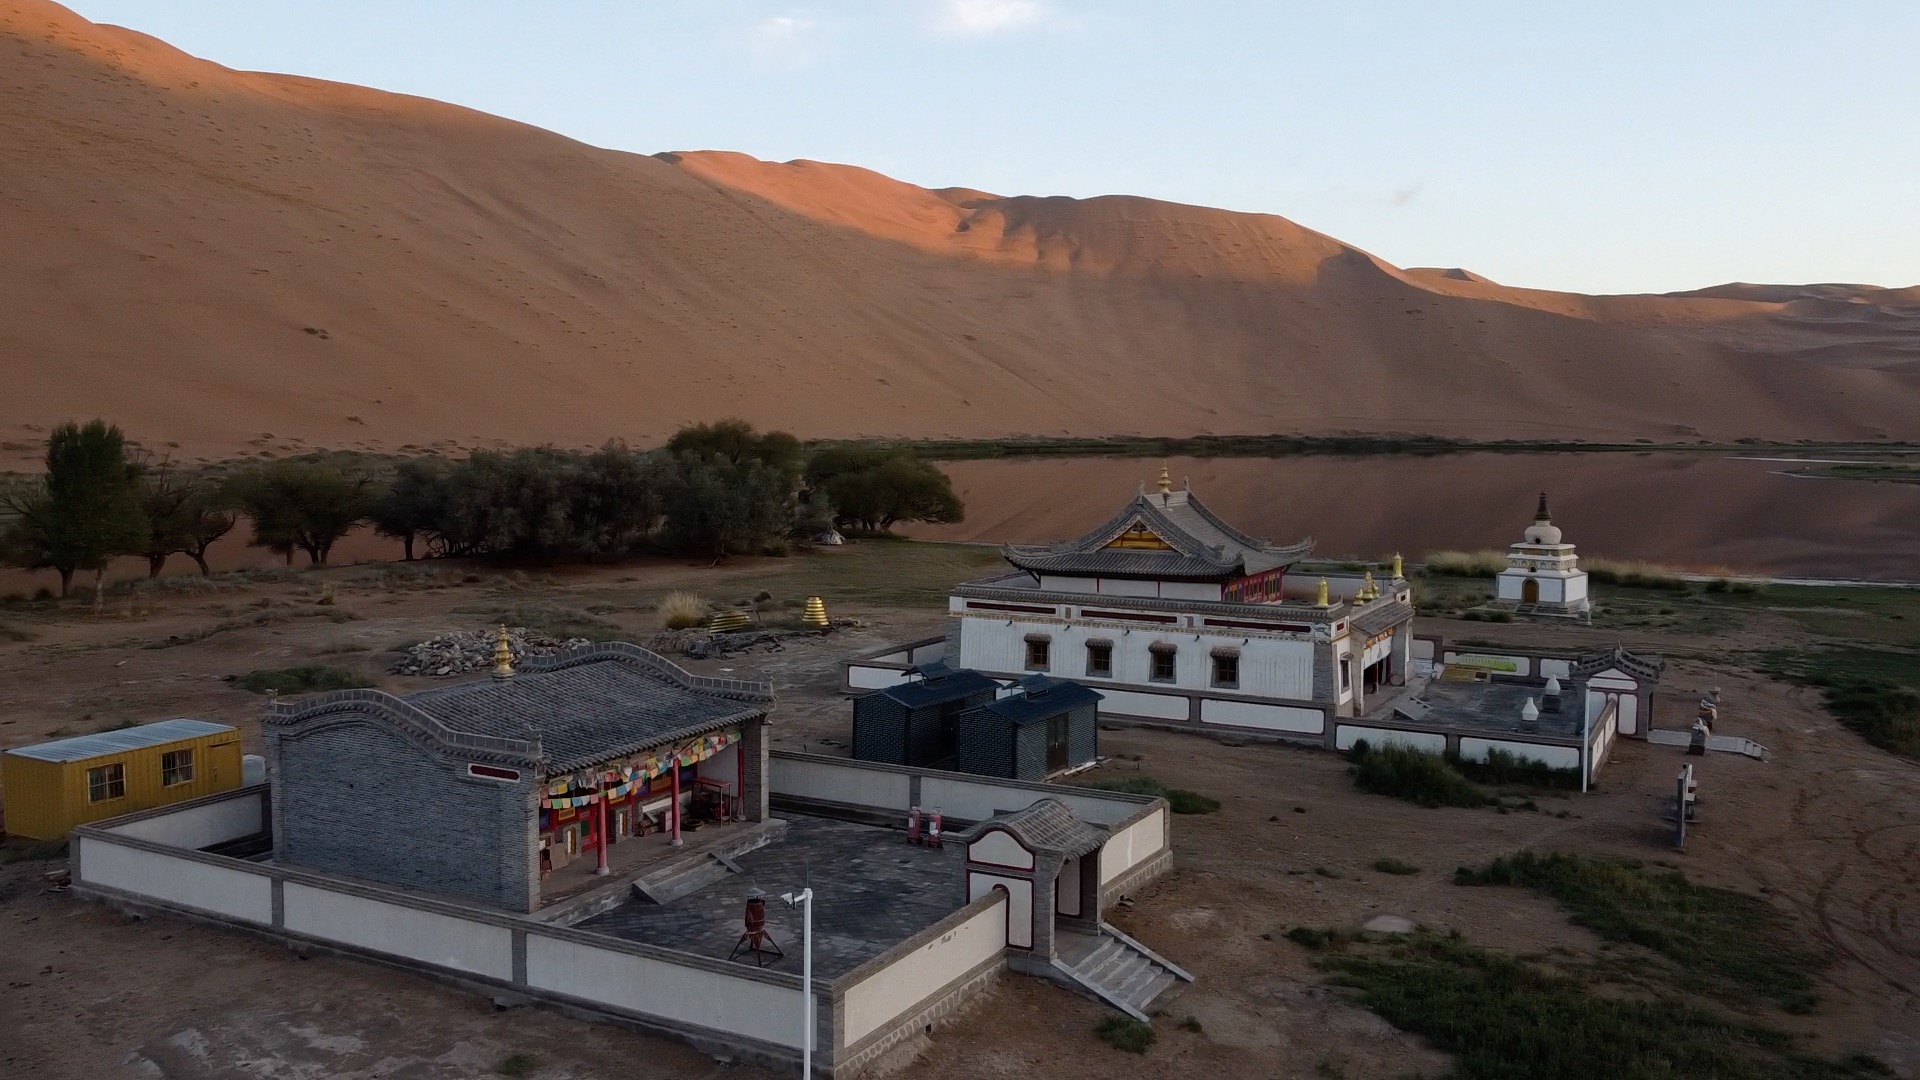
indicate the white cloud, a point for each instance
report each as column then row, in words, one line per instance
column 979, row 18
column 786, row 40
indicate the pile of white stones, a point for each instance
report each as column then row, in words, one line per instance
column 462, row 651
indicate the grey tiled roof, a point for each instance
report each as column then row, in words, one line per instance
column 1047, row 827
column 1204, row 547
column 1382, row 617
column 1646, row 668
column 577, row 708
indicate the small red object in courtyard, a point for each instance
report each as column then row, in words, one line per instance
column 933, row 830
column 757, row 940
column 913, row 825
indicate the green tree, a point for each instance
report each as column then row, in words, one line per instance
column 718, row 506
column 184, row 515
column 736, row 441
column 874, row 490
column 414, row 503
column 27, row 540
column 87, row 510
column 616, row 498
column 301, row 505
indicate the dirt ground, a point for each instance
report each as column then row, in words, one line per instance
column 1829, row 829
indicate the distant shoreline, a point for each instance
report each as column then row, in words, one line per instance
column 1203, row 446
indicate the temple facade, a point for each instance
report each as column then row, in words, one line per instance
column 1543, row 574
column 1178, row 618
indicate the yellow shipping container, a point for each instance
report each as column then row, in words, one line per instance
column 54, row 786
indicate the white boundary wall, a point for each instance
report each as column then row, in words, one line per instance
column 1133, row 845
column 642, row 984
column 1558, row 757
column 878, row 999
column 201, row 824
column 216, row 890
column 1348, row 734
column 1270, row 717
column 444, row 941
column 140, row 860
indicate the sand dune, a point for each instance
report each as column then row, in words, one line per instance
column 240, row 262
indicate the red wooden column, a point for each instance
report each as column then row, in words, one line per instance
column 674, row 807
column 601, row 801
column 740, row 780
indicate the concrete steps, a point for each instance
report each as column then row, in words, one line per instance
column 1117, row 970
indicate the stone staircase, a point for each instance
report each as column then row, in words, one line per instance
column 1116, row 969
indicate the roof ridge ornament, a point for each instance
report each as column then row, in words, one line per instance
column 1166, row 480
column 1541, row 515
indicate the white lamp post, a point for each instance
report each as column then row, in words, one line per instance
column 804, row 898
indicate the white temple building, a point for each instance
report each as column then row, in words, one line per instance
column 1179, row 619
column 1543, row 574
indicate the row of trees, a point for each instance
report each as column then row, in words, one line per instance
column 715, row 489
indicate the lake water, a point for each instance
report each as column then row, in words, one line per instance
column 1703, row 511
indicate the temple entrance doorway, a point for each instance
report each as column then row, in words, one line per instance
column 1530, row 591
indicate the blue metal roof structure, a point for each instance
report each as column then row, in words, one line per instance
column 1040, row 696
column 938, row 687
column 101, row 744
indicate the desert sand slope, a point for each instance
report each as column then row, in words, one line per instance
column 233, row 261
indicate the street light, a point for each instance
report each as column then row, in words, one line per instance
column 804, row 898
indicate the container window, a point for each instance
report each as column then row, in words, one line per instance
column 176, row 767
column 106, row 782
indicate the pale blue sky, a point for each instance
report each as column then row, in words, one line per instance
column 1604, row 147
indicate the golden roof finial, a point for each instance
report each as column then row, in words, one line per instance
column 1399, row 567
column 503, row 655
column 1323, row 593
column 1166, row 479
column 1368, row 590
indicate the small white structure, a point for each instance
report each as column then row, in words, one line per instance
column 1543, row 574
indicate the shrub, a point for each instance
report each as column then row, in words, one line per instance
column 516, row 1065
column 306, row 679
column 1179, row 800
column 1638, row 575
column 1126, row 1033
column 1395, row 866
column 680, row 610
column 1415, row 775
column 1480, row 564
column 1719, row 940
column 1502, row 767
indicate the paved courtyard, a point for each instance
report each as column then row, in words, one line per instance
column 872, row 890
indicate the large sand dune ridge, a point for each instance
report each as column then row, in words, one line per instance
column 234, row 261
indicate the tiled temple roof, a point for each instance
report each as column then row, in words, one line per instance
column 564, row 712
column 1203, row 547
column 1047, row 827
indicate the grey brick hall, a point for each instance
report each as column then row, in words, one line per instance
column 481, row 789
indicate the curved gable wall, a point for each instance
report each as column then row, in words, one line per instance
column 357, row 797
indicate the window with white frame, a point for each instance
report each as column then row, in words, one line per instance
column 105, row 782
column 176, row 767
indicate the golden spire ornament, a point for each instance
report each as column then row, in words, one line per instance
column 1323, row 593
column 1399, row 567
column 503, row 655
column 1166, row 479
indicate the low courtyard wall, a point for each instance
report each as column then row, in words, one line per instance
column 153, row 861
column 143, row 861
column 1139, row 849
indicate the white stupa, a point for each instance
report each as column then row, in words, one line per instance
column 1543, row 574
